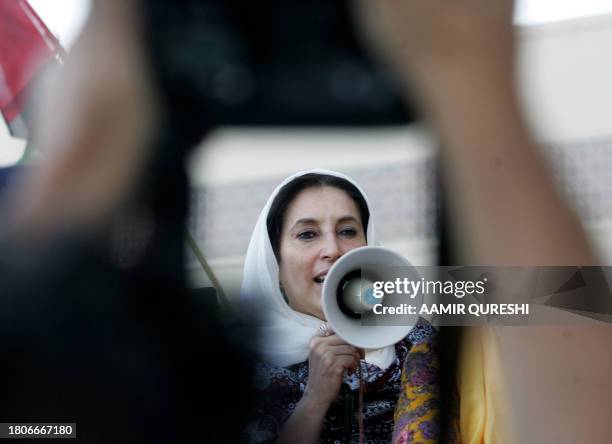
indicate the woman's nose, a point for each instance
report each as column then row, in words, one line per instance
column 332, row 249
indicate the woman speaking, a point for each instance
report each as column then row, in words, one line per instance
column 309, row 381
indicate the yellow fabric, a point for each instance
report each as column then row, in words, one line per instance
column 484, row 413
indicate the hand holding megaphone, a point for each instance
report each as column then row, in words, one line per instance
column 348, row 297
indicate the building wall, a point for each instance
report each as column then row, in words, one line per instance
column 565, row 72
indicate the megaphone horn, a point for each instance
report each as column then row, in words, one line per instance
column 348, row 297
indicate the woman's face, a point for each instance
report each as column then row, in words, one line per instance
column 321, row 224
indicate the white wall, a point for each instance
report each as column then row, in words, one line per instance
column 565, row 75
column 245, row 155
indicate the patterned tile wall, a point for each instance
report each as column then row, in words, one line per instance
column 403, row 198
column 584, row 172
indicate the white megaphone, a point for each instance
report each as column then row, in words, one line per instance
column 348, row 297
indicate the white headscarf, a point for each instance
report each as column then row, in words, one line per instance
column 286, row 333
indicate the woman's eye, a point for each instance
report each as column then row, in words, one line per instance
column 348, row 232
column 306, row 235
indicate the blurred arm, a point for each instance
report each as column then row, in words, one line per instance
column 458, row 59
column 93, row 127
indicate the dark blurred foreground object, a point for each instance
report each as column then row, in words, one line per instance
column 127, row 358
column 124, row 351
column 277, row 63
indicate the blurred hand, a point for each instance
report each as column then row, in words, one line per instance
column 329, row 358
column 421, row 36
column 94, row 124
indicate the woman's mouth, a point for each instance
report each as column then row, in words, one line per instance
column 321, row 278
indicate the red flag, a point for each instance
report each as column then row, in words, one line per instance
column 26, row 46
